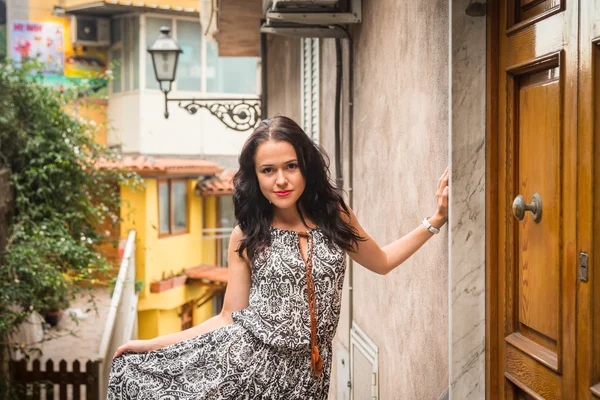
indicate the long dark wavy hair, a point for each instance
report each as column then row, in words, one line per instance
column 321, row 201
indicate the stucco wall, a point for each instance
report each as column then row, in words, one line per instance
column 400, row 149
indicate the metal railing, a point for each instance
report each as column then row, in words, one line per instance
column 121, row 323
column 216, row 233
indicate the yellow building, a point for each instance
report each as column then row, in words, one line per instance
column 171, row 214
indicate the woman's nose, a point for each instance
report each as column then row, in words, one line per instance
column 281, row 179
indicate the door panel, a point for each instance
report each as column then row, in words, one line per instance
column 537, row 295
column 523, row 13
column 523, row 372
column 538, row 265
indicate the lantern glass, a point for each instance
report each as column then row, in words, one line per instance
column 165, row 63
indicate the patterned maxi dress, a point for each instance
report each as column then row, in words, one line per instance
column 266, row 352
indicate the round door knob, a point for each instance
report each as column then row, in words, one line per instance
column 520, row 208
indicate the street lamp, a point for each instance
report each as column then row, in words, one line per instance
column 165, row 53
column 237, row 114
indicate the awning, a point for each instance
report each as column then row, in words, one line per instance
column 239, row 28
column 216, row 185
column 211, row 277
column 111, row 8
column 211, row 274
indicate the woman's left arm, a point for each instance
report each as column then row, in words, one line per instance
column 384, row 260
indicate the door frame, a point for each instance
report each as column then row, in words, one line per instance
column 492, row 381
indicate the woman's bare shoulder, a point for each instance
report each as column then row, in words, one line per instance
column 238, row 233
column 346, row 213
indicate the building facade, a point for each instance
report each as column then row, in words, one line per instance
column 183, row 212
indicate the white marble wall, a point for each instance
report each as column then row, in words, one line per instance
column 467, row 212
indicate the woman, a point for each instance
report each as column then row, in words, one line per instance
column 273, row 338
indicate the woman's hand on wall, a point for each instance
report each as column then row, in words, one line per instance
column 137, row 346
column 442, row 197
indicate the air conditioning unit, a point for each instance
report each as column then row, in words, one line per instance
column 305, row 3
column 90, row 31
column 314, row 12
column 293, row 29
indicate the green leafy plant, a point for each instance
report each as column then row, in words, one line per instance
column 61, row 197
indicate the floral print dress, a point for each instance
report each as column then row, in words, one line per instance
column 266, row 352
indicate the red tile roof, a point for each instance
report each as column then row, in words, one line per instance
column 218, row 185
column 152, row 166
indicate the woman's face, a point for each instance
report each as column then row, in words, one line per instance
column 278, row 172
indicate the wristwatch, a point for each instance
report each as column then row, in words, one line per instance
column 430, row 227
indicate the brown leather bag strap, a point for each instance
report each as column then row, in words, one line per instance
column 316, row 362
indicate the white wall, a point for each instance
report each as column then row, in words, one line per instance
column 123, row 121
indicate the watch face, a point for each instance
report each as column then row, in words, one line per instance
column 430, row 227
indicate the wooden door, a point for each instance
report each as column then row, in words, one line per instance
column 534, row 149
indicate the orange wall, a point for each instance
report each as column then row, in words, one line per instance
column 93, row 111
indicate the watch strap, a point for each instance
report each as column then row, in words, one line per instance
column 430, row 227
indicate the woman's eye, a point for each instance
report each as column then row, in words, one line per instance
column 266, row 170
column 292, row 166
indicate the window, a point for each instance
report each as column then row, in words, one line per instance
column 172, row 207
column 199, row 68
column 310, row 87
column 229, row 74
column 226, row 221
column 124, row 53
column 127, row 50
column 115, row 31
column 189, row 65
column 115, row 60
column 136, row 53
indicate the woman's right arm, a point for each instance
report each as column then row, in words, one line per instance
column 236, row 298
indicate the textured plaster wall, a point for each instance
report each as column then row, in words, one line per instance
column 400, row 150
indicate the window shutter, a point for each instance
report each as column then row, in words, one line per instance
column 310, row 87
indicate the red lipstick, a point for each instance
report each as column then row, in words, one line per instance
column 283, row 193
